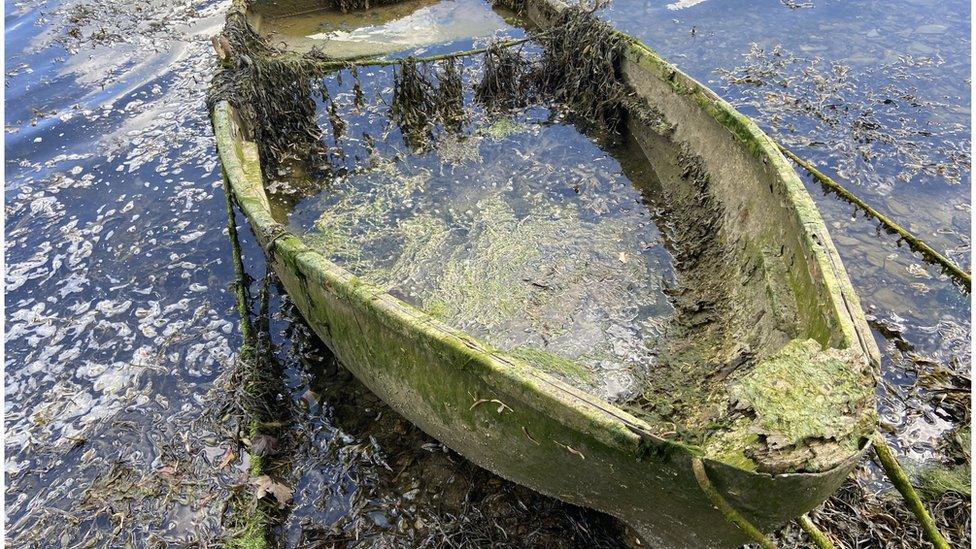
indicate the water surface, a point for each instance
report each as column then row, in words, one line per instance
column 119, row 325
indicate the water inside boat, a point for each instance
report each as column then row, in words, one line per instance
column 556, row 244
column 522, row 232
column 301, row 25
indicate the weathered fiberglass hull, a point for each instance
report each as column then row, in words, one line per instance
column 533, row 429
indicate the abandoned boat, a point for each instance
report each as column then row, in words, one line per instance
column 767, row 398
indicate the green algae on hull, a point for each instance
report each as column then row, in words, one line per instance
column 805, row 405
column 551, row 363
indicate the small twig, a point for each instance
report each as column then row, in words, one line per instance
column 570, row 449
column 528, row 436
column 501, row 405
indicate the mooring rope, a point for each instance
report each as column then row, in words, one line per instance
column 817, row 535
column 901, row 481
column 240, row 282
column 368, row 62
column 254, row 533
column 726, row 508
column 916, row 244
column 332, row 64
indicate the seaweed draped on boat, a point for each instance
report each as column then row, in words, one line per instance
column 274, row 90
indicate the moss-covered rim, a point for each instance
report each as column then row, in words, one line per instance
column 846, row 305
column 605, row 421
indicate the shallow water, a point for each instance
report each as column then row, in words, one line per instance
column 412, row 24
column 118, row 322
column 520, row 231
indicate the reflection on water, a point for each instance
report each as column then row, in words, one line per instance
column 407, row 25
column 119, row 324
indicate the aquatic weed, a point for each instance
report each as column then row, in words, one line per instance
column 450, row 95
column 414, row 106
column 579, row 68
column 502, row 86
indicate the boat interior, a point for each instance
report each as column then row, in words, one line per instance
column 668, row 270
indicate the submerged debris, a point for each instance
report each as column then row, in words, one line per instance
column 358, row 5
column 359, row 98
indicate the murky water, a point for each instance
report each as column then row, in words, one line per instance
column 119, row 323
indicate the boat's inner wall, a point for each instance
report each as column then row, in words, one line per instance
column 789, row 366
column 758, row 217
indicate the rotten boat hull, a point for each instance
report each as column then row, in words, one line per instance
column 531, row 428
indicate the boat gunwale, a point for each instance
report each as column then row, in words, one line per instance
column 594, row 416
column 847, row 306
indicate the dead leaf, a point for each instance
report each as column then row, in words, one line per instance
column 622, row 256
column 264, row 445
column 229, row 457
column 266, row 485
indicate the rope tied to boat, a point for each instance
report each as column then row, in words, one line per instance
column 898, row 477
column 254, row 382
column 962, row 277
column 817, row 535
column 896, row 474
column 724, row 507
column 274, row 233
